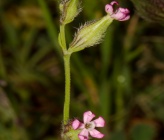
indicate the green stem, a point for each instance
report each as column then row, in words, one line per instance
column 63, row 40
column 67, row 87
column 67, row 74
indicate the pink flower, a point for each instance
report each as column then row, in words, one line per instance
column 120, row 14
column 88, row 127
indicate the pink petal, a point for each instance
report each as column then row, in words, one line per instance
column 121, row 14
column 96, row 134
column 118, row 16
column 109, row 9
column 88, row 116
column 83, row 135
column 124, row 10
column 75, row 124
column 126, row 18
column 99, row 122
column 114, row 2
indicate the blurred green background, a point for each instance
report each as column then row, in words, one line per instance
column 121, row 79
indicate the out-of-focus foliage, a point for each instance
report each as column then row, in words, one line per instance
column 122, row 79
column 152, row 10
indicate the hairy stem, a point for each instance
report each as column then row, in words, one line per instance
column 67, row 87
column 63, row 40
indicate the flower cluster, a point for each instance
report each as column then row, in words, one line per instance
column 120, row 14
column 88, row 127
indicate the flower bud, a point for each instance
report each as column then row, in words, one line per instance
column 90, row 34
column 69, row 10
column 68, row 133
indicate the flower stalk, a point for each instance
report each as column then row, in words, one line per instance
column 67, row 87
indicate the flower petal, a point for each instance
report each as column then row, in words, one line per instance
column 124, row 10
column 109, row 9
column 88, row 116
column 118, row 16
column 126, row 18
column 75, row 124
column 114, row 2
column 83, row 135
column 99, row 122
column 121, row 14
column 96, row 134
